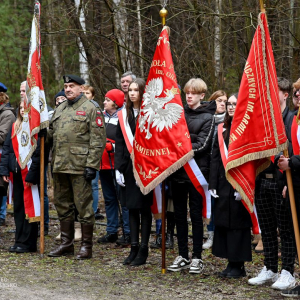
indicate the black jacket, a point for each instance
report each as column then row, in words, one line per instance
column 200, row 122
column 229, row 213
column 9, row 162
column 131, row 196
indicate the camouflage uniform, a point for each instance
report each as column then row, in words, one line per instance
column 78, row 136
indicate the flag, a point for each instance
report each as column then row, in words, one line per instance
column 257, row 130
column 36, row 112
column 35, row 118
column 162, row 142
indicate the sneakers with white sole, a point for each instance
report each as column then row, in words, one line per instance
column 264, row 276
column 179, row 263
column 196, row 266
column 285, row 281
column 209, row 242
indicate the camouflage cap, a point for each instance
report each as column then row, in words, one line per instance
column 73, row 78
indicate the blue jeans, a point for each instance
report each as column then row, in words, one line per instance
column 111, row 204
column 211, row 225
column 95, row 192
column 3, row 207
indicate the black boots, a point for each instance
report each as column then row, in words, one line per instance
column 86, row 247
column 67, row 239
column 234, row 270
column 141, row 256
column 132, row 255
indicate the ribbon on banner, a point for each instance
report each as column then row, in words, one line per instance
column 224, row 156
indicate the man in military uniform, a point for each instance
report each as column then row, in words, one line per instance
column 77, row 135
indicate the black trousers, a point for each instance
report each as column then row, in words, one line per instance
column 181, row 193
column 26, row 233
column 273, row 212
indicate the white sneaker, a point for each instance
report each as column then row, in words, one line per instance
column 179, row 263
column 263, row 277
column 196, row 266
column 285, row 281
column 209, row 242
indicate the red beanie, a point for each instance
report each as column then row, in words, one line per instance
column 116, row 96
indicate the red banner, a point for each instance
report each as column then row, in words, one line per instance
column 257, row 130
column 162, row 142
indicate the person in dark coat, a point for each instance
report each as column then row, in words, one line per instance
column 200, row 122
column 232, row 237
column 131, row 196
column 26, row 233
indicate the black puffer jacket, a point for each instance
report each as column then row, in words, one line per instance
column 200, row 122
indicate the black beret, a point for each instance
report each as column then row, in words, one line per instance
column 3, row 88
column 61, row 93
column 73, row 78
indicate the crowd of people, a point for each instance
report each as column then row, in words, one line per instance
column 87, row 143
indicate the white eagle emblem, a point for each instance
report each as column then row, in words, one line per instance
column 156, row 111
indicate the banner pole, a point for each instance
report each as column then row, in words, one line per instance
column 262, row 6
column 293, row 205
column 42, row 185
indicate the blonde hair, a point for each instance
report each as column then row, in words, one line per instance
column 4, row 98
column 196, row 85
column 19, row 121
column 90, row 88
column 296, row 85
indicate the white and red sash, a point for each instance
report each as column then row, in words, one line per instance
column 224, row 156
column 295, row 132
column 156, row 207
column 198, row 180
column 31, row 193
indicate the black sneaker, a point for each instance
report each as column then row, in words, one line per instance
column 157, row 242
column 293, row 293
column 108, row 238
column 124, row 241
column 98, row 216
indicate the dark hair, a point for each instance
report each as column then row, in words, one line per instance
column 90, row 88
column 227, row 118
column 284, row 85
column 141, row 85
column 216, row 95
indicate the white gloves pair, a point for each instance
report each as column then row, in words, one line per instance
column 120, row 178
column 236, row 194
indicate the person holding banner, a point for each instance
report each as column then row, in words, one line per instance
column 26, row 233
column 200, row 122
column 232, row 236
column 139, row 205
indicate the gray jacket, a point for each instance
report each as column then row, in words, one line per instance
column 7, row 117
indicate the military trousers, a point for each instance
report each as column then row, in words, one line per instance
column 73, row 191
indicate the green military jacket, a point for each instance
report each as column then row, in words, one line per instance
column 77, row 135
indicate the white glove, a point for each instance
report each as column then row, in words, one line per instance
column 238, row 196
column 213, row 193
column 120, row 178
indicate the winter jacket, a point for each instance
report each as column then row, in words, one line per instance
column 9, row 162
column 229, row 213
column 201, row 126
column 7, row 117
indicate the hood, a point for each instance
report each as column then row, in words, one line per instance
column 6, row 106
column 205, row 107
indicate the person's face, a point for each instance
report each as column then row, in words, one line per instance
column 296, row 98
column 88, row 94
column 221, row 104
column 193, row 99
column 231, row 104
column 23, row 91
column 125, row 81
column 22, row 108
column 282, row 97
column 109, row 105
column 72, row 90
column 59, row 100
column 134, row 93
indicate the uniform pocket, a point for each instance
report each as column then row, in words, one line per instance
column 78, row 157
column 80, row 124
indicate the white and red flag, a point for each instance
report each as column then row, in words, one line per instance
column 257, row 130
column 35, row 117
column 162, row 142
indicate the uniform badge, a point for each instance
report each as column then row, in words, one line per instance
column 80, row 113
column 99, row 122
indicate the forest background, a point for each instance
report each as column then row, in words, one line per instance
column 101, row 39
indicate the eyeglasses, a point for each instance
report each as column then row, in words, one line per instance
column 231, row 105
column 295, row 93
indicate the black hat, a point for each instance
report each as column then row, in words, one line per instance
column 3, row 88
column 73, row 78
column 61, row 93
